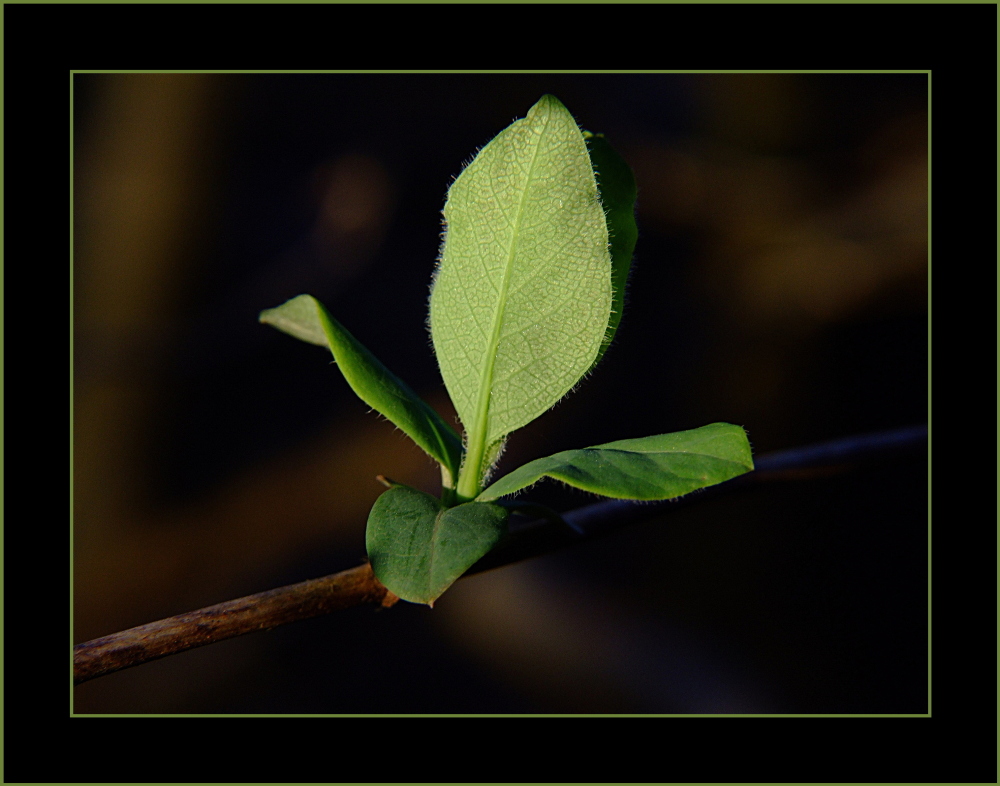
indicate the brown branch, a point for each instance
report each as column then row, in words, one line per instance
column 357, row 586
column 262, row 611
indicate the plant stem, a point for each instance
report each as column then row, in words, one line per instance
column 468, row 478
column 261, row 611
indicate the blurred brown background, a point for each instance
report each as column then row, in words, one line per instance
column 780, row 282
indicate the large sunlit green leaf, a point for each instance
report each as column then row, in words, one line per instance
column 305, row 318
column 658, row 467
column 418, row 547
column 522, row 297
column 616, row 185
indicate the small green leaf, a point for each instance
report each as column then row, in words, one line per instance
column 616, row 184
column 418, row 547
column 522, row 296
column 658, row 467
column 305, row 318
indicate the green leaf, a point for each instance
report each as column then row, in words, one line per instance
column 616, row 185
column 522, row 295
column 305, row 318
column 658, row 467
column 418, row 547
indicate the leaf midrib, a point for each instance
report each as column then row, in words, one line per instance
column 477, row 442
column 435, row 531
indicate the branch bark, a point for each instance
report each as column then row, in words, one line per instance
column 261, row 611
column 357, row 586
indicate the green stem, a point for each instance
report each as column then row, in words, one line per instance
column 468, row 478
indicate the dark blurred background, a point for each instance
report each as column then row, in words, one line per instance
column 780, row 282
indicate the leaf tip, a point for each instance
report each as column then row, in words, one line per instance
column 548, row 103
